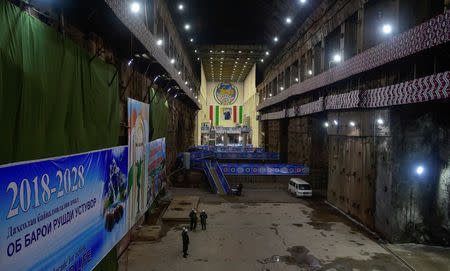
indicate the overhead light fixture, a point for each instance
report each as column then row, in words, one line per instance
column 267, row 53
column 420, row 170
column 270, row 94
column 352, row 123
column 337, row 58
column 380, row 121
column 210, row 51
column 288, row 20
column 195, row 51
column 281, row 88
column 387, row 29
column 179, row 72
column 135, row 7
column 310, row 72
column 240, row 52
column 180, row 6
column 187, row 26
column 302, row 1
column 131, row 61
column 191, row 40
column 275, row 39
column 198, row 58
column 296, row 79
column 172, row 61
column 159, row 42
column 335, row 122
column 222, row 51
column 186, row 83
column 262, row 60
column 326, row 124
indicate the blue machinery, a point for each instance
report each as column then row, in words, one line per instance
column 200, row 159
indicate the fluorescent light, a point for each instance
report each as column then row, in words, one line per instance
column 352, row 123
column 335, row 122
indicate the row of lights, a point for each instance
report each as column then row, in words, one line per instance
column 419, row 169
column 288, row 21
column 379, row 121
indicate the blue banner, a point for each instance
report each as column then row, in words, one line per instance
column 264, row 169
column 63, row 213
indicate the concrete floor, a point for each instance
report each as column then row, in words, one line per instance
column 270, row 230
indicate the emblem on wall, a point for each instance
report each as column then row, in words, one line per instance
column 226, row 93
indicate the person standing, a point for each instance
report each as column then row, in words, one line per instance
column 191, row 217
column 203, row 217
column 195, row 219
column 185, row 237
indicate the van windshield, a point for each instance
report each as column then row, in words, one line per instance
column 304, row 187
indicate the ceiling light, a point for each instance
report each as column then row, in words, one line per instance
column 186, row 83
column 281, row 88
column 240, row 52
column 210, row 51
column 387, row 29
column 352, row 123
column 380, row 121
column 270, row 94
column 210, row 58
column 191, row 40
column 326, row 124
column 222, row 51
column 195, row 51
column 262, row 60
column 180, row 6
column 337, row 58
column 302, row 1
column 335, row 122
column 159, row 42
column 187, row 26
column 131, row 61
column 296, row 79
column 288, row 20
column 275, row 39
column 135, row 7
column 179, row 72
column 172, row 61
column 198, row 58
column 267, row 53
column 310, row 72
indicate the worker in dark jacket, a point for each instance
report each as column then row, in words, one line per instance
column 192, row 216
column 195, row 219
column 185, row 237
column 203, row 217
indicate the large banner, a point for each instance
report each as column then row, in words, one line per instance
column 138, row 137
column 62, row 213
column 156, row 168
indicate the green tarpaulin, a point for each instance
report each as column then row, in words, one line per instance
column 159, row 112
column 52, row 100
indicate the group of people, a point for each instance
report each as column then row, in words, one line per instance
column 193, row 225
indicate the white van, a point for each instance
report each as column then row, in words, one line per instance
column 299, row 187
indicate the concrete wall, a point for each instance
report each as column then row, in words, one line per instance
column 417, row 206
